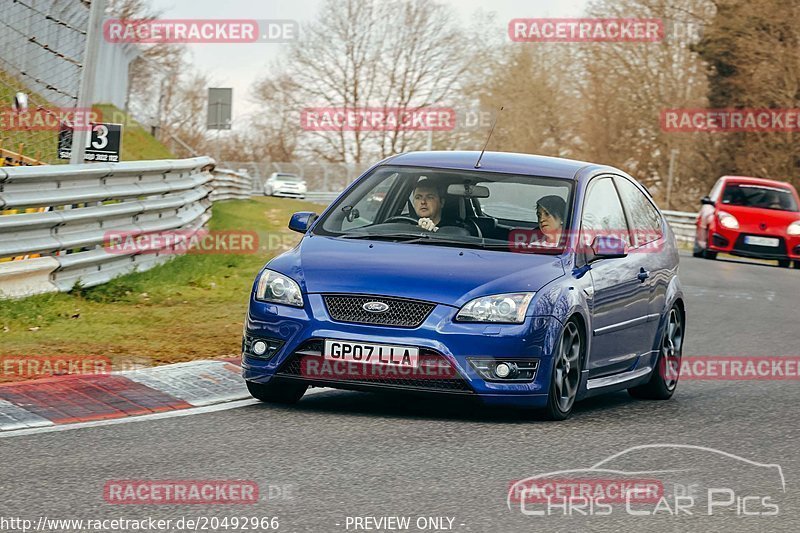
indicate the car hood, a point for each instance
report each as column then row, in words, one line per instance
column 441, row 274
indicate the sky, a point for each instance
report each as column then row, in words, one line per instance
column 240, row 65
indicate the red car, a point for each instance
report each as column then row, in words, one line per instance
column 750, row 217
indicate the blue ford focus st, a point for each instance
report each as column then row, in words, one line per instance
column 517, row 280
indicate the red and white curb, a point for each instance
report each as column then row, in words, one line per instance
column 89, row 398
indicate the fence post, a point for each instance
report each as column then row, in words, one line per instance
column 670, row 176
column 86, row 92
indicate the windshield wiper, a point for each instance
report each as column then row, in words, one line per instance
column 401, row 237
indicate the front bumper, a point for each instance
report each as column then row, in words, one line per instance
column 292, row 193
column 439, row 339
column 733, row 242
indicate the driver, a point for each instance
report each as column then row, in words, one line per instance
column 428, row 201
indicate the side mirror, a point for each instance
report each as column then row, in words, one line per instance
column 607, row 247
column 300, row 222
column 705, row 200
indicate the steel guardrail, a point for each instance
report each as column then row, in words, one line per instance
column 64, row 242
column 683, row 225
column 230, row 185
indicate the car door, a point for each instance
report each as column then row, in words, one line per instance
column 647, row 249
column 619, row 303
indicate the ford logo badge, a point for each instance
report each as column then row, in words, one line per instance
column 375, row 307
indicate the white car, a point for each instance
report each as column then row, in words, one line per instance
column 280, row 184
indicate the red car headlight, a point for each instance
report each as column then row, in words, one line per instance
column 794, row 228
column 727, row 220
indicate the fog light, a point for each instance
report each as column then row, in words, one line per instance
column 259, row 347
column 516, row 369
column 502, row 370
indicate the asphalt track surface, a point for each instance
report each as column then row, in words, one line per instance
column 346, row 454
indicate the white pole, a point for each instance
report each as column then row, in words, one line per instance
column 670, row 176
column 89, row 71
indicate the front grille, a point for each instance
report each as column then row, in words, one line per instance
column 297, row 366
column 778, row 251
column 401, row 312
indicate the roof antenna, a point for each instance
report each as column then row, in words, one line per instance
column 496, row 117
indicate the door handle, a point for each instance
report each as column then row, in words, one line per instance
column 643, row 274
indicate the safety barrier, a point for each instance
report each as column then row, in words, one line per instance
column 683, row 225
column 230, row 185
column 80, row 205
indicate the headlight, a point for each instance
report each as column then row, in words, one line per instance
column 275, row 287
column 727, row 220
column 794, row 228
column 508, row 308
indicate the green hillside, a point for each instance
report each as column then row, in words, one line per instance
column 137, row 143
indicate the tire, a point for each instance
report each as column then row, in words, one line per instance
column 797, row 264
column 705, row 253
column 564, row 385
column 785, row 263
column 664, row 379
column 696, row 250
column 277, row 391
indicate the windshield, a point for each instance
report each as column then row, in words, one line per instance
column 762, row 196
column 453, row 208
column 288, row 177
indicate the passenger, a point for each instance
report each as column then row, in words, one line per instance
column 550, row 210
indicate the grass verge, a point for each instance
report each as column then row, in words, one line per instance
column 189, row 308
column 137, row 143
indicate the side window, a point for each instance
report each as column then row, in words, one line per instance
column 643, row 217
column 368, row 206
column 602, row 212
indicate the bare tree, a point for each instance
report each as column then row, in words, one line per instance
column 625, row 87
column 753, row 52
column 399, row 55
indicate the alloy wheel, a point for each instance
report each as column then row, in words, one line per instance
column 568, row 372
column 671, row 348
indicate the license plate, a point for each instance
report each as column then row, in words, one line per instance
column 376, row 354
column 761, row 241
